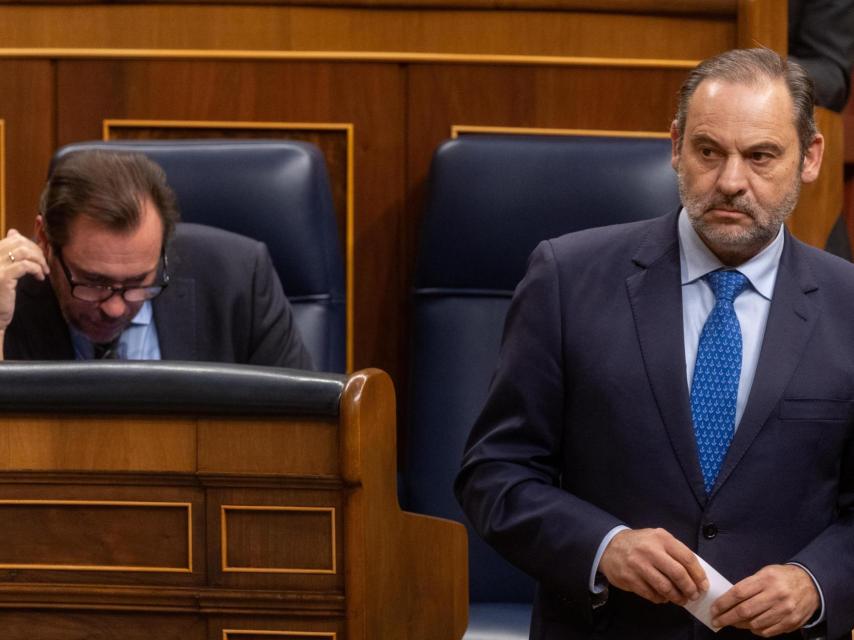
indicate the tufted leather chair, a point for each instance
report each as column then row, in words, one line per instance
column 491, row 200
column 274, row 191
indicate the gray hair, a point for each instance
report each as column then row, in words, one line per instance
column 751, row 67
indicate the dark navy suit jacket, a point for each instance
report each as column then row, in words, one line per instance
column 224, row 303
column 588, row 426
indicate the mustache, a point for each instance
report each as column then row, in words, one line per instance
column 739, row 203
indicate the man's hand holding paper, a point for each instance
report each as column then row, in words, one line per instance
column 776, row 599
column 654, row 565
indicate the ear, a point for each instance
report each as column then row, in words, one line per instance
column 675, row 150
column 812, row 159
column 41, row 236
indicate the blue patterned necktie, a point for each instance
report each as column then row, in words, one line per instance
column 714, row 390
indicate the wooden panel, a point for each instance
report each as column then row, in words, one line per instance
column 94, row 91
column 444, row 31
column 763, row 23
column 275, row 446
column 63, row 529
column 848, row 125
column 257, row 538
column 275, row 629
column 96, row 535
column 849, row 204
column 386, row 564
column 2, row 176
column 848, row 154
column 71, row 625
column 426, row 547
column 27, row 108
column 278, row 539
column 810, row 222
column 96, row 443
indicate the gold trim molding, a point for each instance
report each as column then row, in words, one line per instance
column 108, row 503
column 348, row 128
column 463, row 129
column 224, row 509
column 393, row 57
column 226, row 633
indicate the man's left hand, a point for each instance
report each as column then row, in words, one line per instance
column 776, row 599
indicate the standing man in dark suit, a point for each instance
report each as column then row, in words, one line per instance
column 683, row 385
column 111, row 273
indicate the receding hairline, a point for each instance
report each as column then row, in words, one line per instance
column 751, row 67
column 134, row 225
column 757, row 81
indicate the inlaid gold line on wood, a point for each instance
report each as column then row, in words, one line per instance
column 395, row 57
column 348, row 128
column 109, row 503
column 224, row 509
column 258, row 632
column 463, row 129
column 120, row 123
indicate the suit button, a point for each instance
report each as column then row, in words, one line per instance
column 710, row 531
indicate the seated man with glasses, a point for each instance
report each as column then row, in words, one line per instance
column 112, row 274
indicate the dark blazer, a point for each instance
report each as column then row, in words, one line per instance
column 224, row 303
column 588, row 426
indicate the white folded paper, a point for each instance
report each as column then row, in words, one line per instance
column 718, row 585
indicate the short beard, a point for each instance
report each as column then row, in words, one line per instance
column 738, row 240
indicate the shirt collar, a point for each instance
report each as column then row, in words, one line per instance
column 83, row 347
column 696, row 259
column 144, row 315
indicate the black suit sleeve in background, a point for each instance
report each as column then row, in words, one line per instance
column 821, row 39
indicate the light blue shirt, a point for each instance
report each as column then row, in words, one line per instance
column 698, row 299
column 138, row 342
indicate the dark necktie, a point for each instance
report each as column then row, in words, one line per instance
column 106, row 351
column 714, row 389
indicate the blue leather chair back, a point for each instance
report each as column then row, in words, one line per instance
column 274, row 191
column 491, row 199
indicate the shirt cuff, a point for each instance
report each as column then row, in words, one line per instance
column 599, row 585
column 816, row 619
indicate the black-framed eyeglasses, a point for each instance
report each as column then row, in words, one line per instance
column 98, row 293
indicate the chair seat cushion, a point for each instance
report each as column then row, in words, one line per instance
column 498, row 621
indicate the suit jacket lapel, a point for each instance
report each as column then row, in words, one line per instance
column 655, row 293
column 175, row 319
column 791, row 320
